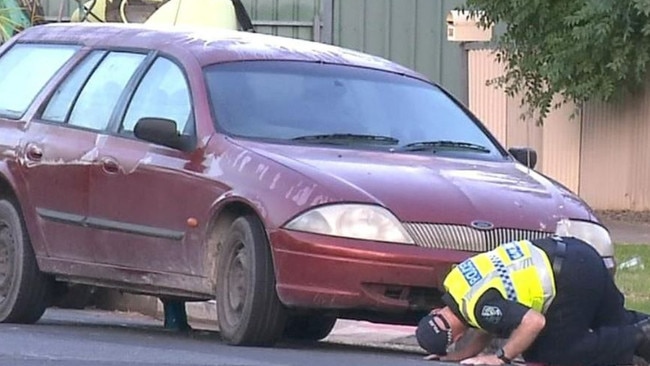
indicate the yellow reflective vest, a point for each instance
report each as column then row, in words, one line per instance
column 520, row 271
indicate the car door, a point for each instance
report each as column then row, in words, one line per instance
column 61, row 144
column 151, row 200
column 55, row 180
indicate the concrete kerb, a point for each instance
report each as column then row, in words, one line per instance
column 361, row 333
column 625, row 232
column 202, row 312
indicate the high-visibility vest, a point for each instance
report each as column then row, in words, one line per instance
column 520, row 271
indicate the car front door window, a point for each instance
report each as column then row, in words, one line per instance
column 163, row 93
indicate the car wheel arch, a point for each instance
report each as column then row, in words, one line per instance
column 218, row 228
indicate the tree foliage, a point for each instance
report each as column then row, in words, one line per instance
column 579, row 49
column 16, row 15
column 6, row 25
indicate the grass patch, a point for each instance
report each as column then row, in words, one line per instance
column 634, row 283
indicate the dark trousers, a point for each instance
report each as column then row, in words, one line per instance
column 175, row 314
column 587, row 323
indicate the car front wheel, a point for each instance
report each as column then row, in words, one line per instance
column 24, row 289
column 248, row 309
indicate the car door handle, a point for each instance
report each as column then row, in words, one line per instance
column 33, row 152
column 110, row 165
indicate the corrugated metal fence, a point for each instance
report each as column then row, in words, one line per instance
column 603, row 154
column 410, row 32
column 58, row 10
column 291, row 18
column 615, row 170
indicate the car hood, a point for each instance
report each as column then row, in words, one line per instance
column 428, row 188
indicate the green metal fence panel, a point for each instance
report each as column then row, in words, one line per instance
column 58, row 10
column 410, row 32
column 288, row 18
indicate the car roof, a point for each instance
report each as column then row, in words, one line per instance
column 207, row 45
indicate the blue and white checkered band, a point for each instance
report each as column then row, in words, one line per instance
column 504, row 274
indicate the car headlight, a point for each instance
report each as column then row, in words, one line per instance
column 594, row 234
column 356, row 221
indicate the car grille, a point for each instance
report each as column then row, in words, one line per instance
column 459, row 237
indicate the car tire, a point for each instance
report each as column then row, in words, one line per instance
column 249, row 311
column 309, row 327
column 24, row 289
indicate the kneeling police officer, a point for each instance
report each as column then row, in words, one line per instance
column 553, row 299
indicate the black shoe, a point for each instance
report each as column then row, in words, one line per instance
column 643, row 339
column 180, row 328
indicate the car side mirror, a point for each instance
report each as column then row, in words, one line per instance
column 161, row 131
column 524, row 155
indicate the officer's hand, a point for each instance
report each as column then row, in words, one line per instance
column 483, row 360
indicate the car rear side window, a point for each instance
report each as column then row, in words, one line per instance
column 61, row 101
column 163, row 93
column 98, row 98
column 26, row 68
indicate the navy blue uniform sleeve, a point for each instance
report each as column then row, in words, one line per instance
column 498, row 316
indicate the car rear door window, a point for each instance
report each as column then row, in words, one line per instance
column 26, row 68
column 58, row 107
column 163, row 93
column 98, row 98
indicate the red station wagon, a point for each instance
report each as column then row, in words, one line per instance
column 293, row 182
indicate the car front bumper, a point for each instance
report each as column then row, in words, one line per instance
column 321, row 272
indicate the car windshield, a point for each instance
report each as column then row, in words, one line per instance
column 310, row 103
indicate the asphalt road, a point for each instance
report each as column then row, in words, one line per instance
column 82, row 338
